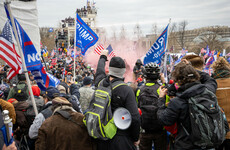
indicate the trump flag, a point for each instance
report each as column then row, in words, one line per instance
column 32, row 58
column 157, row 50
column 85, row 37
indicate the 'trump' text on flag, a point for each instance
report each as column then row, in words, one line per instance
column 85, row 37
column 157, row 50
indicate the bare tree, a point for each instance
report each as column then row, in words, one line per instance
column 172, row 36
column 178, row 36
column 154, row 30
column 211, row 38
column 114, row 35
column 137, row 31
column 122, row 33
column 181, row 33
column 47, row 38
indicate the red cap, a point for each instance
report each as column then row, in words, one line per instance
column 11, row 100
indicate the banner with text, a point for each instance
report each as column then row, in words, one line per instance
column 85, row 37
column 32, row 58
column 157, row 50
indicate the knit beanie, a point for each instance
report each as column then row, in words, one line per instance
column 117, row 67
column 52, row 92
column 87, row 81
column 21, row 77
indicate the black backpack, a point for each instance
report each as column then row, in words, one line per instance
column 207, row 120
column 21, row 94
column 147, row 101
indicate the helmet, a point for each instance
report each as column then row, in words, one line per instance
column 151, row 71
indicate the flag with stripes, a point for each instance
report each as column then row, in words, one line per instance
column 53, row 53
column 31, row 57
column 98, row 49
column 111, row 52
column 8, row 52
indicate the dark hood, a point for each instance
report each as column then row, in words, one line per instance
column 21, row 105
column 138, row 62
column 190, row 89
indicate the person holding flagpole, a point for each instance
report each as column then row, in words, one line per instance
column 11, row 18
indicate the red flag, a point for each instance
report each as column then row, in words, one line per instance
column 54, row 61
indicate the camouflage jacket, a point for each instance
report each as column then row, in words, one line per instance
column 86, row 94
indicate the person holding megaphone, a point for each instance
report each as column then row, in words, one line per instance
column 122, row 96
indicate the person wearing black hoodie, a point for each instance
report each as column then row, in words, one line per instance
column 191, row 82
column 138, row 68
column 122, row 96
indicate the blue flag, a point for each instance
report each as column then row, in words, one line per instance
column 51, row 29
column 179, row 59
column 44, row 79
column 158, row 49
column 208, row 52
column 85, row 37
column 72, row 54
column 32, row 58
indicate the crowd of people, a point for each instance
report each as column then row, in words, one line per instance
column 160, row 112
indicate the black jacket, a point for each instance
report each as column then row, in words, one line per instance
column 74, row 90
column 122, row 96
column 1, row 125
column 177, row 110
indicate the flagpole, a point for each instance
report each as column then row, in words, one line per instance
column 168, row 34
column 44, row 62
column 74, row 70
column 165, row 59
column 22, row 57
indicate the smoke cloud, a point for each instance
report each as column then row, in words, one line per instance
column 125, row 49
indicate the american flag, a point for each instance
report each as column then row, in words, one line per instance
column 8, row 52
column 111, row 52
column 98, row 49
column 202, row 50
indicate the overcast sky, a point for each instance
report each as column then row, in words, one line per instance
column 198, row 13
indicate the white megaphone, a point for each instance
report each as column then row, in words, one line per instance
column 122, row 118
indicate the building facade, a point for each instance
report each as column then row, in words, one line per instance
column 65, row 35
column 216, row 37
